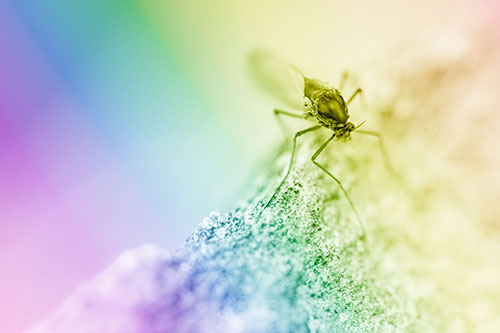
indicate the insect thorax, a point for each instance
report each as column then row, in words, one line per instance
column 328, row 107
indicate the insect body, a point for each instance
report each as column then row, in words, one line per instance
column 328, row 107
column 323, row 104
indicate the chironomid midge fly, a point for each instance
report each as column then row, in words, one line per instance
column 322, row 104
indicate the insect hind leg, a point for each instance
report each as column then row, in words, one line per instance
column 343, row 79
column 359, row 92
column 339, row 183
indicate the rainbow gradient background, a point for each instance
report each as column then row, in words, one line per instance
column 125, row 122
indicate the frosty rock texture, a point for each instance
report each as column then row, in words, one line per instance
column 297, row 266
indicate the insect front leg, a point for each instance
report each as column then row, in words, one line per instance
column 383, row 150
column 313, row 159
column 300, row 133
column 278, row 113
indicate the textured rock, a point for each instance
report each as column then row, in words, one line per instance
column 297, row 266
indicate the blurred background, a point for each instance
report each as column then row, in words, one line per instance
column 126, row 122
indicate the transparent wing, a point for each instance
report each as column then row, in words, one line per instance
column 278, row 77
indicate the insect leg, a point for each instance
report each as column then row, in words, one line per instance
column 290, row 114
column 343, row 79
column 358, row 91
column 383, row 150
column 313, row 159
column 300, row 133
column 278, row 113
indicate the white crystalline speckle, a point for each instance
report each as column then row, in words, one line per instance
column 251, row 272
column 107, row 303
column 240, row 272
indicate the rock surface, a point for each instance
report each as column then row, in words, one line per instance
column 297, row 266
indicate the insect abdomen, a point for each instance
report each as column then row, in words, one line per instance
column 312, row 87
